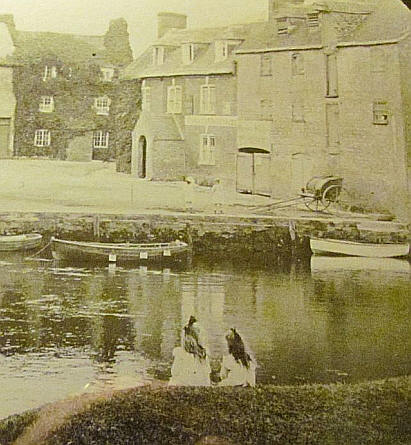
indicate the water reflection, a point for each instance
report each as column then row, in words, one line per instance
column 64, row 329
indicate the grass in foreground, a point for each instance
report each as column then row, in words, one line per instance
column 368, row 413
column 12, row 427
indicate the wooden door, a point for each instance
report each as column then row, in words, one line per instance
column 245, row 173
column 262, row 168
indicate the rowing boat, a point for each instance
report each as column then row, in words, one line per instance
column 9, row 243
column 117, row 252
column 323, row 246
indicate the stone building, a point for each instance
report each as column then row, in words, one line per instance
column 187, row 124
column 7, row 98
column 323, row 89
column 70, row 103
column 317, row 89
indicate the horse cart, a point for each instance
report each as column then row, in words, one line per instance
column 322, row 191
column 318, row 195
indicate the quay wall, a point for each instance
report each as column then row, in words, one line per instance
column 261, row 237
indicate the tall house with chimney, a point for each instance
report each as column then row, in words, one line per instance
column 188, row 120
column 324, row 89
column 70, row 103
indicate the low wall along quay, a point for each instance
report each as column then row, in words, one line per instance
column 228, row 236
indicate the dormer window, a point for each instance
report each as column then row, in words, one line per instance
column 282, row 25
column 313, row 20
column 46, row 104
column 221, row 50
column 50, row 72
column 188, row 53
column 158, row 55
column 102, row 105
column 107, row 74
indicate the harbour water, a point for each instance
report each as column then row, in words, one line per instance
column 66, row 329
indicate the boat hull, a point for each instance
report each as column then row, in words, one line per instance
column 13, row 243
column 352, row 248
column 107, row 252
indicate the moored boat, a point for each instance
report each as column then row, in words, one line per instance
column 325, row 246
column 117, row 252
column 29, row 241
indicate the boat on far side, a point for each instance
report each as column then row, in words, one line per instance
column 11, row 243
column 117, row 252
column 325, row 246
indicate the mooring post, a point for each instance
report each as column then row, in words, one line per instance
column 96, row 227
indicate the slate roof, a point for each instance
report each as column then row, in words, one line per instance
column 204, row 62
column 69, row 48
column 390, row 20
column 377, row 21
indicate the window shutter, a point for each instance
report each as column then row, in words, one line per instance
column 203, row 99
column 212, row 100
column 178, row 99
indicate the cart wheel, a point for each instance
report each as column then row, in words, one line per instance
column 331, row 195
column 314, row 204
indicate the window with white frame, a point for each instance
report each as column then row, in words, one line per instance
column 188, row 53
column 46, row 104
column 208, row 99
column 102, row 105
column 207, row 149
column 380, row 112
column 42, row 138
column 145, row 97
column 174, row 98
column 100, row 139
column 158, row 55
column 50, row 72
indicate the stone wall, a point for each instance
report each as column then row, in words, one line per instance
column 249, row 238
column 333, row 135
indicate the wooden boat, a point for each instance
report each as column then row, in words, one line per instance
column 323, row 246
column 117, row 252
column 27, row 241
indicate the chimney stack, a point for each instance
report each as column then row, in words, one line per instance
column 275, row 5
column 169, row 20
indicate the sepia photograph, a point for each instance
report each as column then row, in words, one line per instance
column 205, row 222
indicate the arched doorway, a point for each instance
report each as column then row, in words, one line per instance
column 142, row 157
column 253, row 171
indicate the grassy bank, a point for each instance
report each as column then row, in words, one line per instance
column 12, row 427
column 367, row 413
